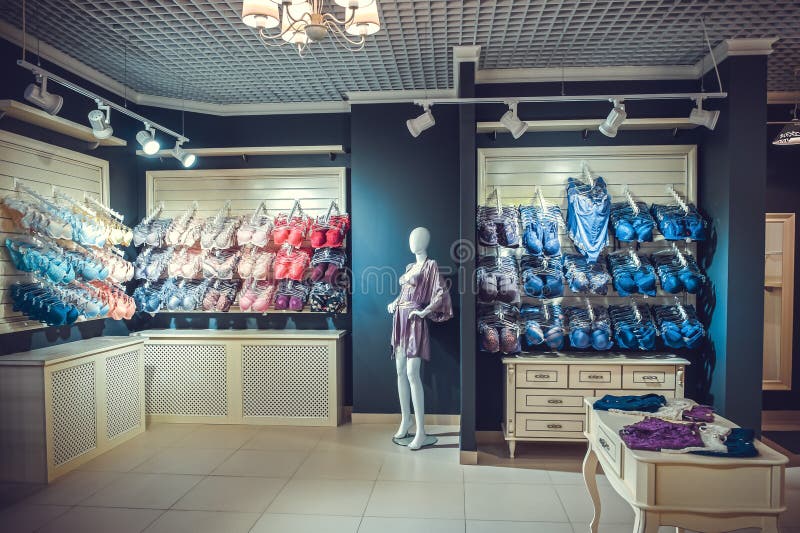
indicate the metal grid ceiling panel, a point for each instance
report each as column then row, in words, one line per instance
column 285, row 381
column 185, row 379
column 74, row 415
column 201, row 50
column 122, row 393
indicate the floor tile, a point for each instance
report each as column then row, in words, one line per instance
column 501, row 474
column 418, row 468
column 158, row 435
column 144, row 491
column 284, row 439
column 102, row 520
column 791, row 518
column 524, row 503
column 261, row 463
column 340, row 465
column 324, row 497
column 576, row 500
column 184, row 461
column 121, row 459
column 483, row 526
column 234, row 494
column 175, row 521
column 374, row 524
column 414, row 499
column 573, row 478
column 25, row 518
column 73, row 488
column 218, row 436
column 294, row 523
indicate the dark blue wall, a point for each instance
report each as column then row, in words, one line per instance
column 783, row 196
column 397, row 184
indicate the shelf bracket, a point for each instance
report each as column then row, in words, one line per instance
column 93, row 145
column 585, row 134
column 332, row 156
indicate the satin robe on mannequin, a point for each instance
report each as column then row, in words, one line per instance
column 410, row 341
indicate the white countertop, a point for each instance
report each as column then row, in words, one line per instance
column 67, row 351
column 306, row 334
column 599, row 358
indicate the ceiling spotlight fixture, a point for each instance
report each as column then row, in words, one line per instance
column 187, row 159
column 790, row 134
column 100, row 120
column 703, row 117
column 422, row 122
column 615, row 118
column 37, row 94
column 302, row 22
column 512, row 123
column 147, row 138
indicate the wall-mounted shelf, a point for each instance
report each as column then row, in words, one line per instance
column 237, row 151
column 40, row 118
column 592, row 124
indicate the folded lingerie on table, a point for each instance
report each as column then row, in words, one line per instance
column 655, row 434
column 657, row 406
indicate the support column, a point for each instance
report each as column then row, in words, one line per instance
column 732, row 186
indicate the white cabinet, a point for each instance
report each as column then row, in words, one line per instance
column 544, row 394
column 778, row 301
column 63, row 405
column 282, row 377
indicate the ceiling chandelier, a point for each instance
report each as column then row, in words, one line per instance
column 302, row 22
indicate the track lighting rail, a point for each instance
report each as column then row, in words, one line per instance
column 39, row 71
column 551, row 99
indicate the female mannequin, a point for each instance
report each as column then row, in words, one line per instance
column 422, row 295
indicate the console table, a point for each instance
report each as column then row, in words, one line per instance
column 711, row 494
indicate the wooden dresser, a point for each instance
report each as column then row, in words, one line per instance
column 544, row 393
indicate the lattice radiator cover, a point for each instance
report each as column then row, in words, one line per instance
column 186, row 379
column 122, row 393
column 289, row 381
column 74, row 412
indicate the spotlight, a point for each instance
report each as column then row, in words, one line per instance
column 422, row 122
column 790, row 134
column 615, row 118
column 703, row 117
column 183, row 156
column 37, row 94
column 512, row 123
column 101, row 122
column 147, row 138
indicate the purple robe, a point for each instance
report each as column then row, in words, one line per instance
column 420, row 290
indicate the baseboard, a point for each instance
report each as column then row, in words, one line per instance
column 468, row 458
column 489, row 437
column 780, row 420
column 394, row 418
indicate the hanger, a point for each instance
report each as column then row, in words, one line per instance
column 95, row 202
column 681, row 309
column 678, row 254
column 496, row 193
column 631, row 201
column 154, row 213
column 635, row 308
column 261, row 207
column 678, row 199
column 635, row 258
column 590, row 309
column 333, row 206
column 72, row 201
column 586, row 173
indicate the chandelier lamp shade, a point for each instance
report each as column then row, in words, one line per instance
column 303, row 22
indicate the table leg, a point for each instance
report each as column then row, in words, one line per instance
column 590, row 479
column 512, row 447
column 645, row 522
column 769, row 525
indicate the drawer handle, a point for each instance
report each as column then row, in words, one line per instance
column 650, row 378
column 594, row 376
column 554, row 426
column 604, row 444
column 542, row 376
column 555, row 401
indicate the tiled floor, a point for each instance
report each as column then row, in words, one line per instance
column 214, row 479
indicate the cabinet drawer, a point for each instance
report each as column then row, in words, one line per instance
column 551, row 377
column 551, row 401
column 550, row 425
column 648, row 377
column 639, row 392
column 595, row 376
column 609, row 446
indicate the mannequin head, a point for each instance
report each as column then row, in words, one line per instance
column 419, row 240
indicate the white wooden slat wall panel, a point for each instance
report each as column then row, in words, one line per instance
column 278, row 188
column 39, row 166
column 646, row 170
